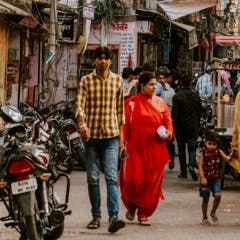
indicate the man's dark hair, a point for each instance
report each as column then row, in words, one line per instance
column 185, row 80
column 127, row 72
column 138, row 70
column 147, row 67
column 163, row 70
column 102, row 50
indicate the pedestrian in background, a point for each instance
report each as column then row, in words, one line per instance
column 127, row 76
column 186, row 113
column 209, row 167
column 100, row 115
column 167, row 95
column 204, row 85
column 132, row 86
column 142, row 171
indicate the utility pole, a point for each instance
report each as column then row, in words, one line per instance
column 52, row 73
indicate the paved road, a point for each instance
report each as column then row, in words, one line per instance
column 177, row 217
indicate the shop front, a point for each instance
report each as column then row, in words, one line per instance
column 122, row 38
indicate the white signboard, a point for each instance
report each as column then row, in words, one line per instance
column 88, row 12
column 127, row 50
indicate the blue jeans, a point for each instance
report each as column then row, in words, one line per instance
column 213, row 186
column 191, row 143
column 105, row 150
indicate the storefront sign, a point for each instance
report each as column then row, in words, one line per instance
column 218, row 65
column 115, row 27
column 231, row 65
column 66, row 20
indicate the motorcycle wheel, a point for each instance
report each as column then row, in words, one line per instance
column 65, row 166
column 55, row 233
column 31, row 231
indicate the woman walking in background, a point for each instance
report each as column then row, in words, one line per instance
column 142, row 171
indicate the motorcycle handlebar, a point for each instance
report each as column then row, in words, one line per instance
column 45, row 116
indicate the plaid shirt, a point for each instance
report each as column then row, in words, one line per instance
column 101, row 103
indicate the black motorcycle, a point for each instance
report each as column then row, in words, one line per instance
column 60, row 134
column 27, row 184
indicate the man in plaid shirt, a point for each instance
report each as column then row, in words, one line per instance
column 100, row 114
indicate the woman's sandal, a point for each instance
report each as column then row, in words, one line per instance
column 94, row 224
column 130, row 216
column 144, row 222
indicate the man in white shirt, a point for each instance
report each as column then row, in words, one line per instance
column 167, row 94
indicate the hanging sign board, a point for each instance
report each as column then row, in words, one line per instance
column 218, row 64
column 89, row 13
column 231, row 65
column 66, row 20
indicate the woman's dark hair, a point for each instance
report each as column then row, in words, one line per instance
column 144, row 78
column 212, row 136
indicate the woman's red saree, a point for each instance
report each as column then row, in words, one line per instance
column 142, row 171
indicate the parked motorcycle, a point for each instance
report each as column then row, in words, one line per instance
column 67, row 146
column 27, row 184
column 61, row 136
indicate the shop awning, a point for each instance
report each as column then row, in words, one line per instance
column 228, row 40
column 175, row 9
column 7, row 8
column 186, row 27
column 192, row 37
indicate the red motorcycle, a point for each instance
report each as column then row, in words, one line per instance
column 27, row 183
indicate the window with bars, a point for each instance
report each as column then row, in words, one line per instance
column 145, row 4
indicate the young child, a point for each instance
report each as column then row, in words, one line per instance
column 208, row 167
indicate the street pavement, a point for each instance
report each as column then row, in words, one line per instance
column 177, row 217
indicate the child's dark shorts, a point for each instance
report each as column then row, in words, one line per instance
column 213, row 186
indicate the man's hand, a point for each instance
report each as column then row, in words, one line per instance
column 84, row 132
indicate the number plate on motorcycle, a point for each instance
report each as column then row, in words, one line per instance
column 73, row 135
column 24, row 186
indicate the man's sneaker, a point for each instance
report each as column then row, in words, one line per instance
column 193, row 173
column 182, row 175
column 171, row 164
column 115, row 224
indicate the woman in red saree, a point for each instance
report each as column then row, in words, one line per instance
column 141, row 173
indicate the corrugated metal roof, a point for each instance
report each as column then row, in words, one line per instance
column 175, row 9
column 7, row 8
